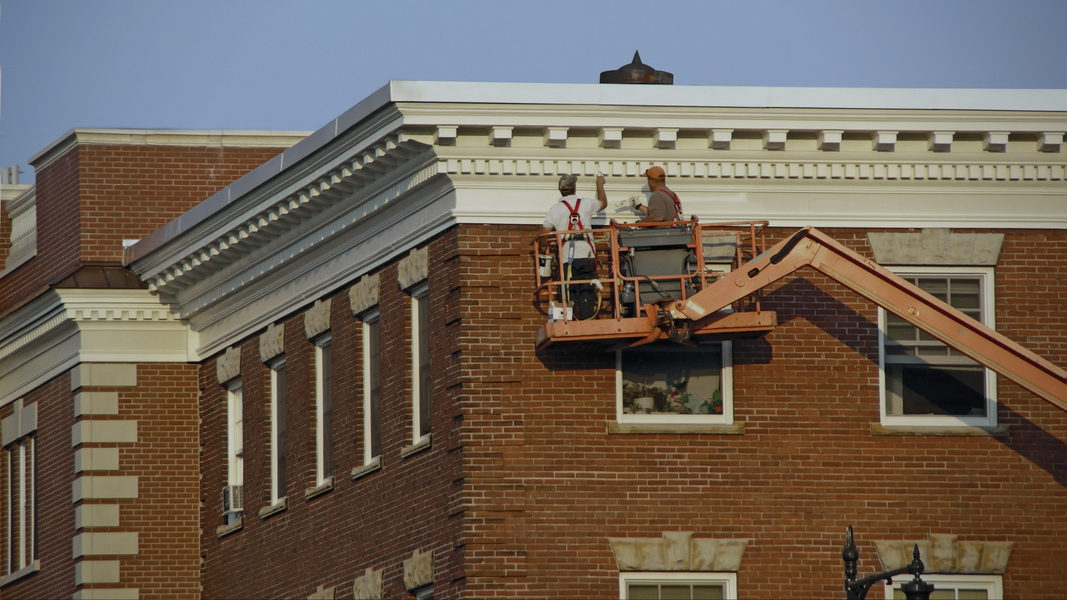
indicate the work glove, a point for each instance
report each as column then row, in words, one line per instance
column 630, row 202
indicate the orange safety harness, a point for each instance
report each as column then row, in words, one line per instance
column 575, row 222
column 677, row 204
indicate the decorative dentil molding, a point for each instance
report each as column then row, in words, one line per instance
column 944, row 553
column 368, row 586
column 363, row 295
column 228, row 366
column 936, row 247
column 272, row 342
column 678, row 551
column 317, row 318
column 413, row 269
column 418, row 570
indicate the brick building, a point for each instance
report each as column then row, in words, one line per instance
column 376, row 417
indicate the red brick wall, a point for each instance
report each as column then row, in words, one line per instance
column 166, row 462
column 544, row 485
column 376, row 521
column 55, row 513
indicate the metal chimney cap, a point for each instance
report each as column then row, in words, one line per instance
column 637, row 72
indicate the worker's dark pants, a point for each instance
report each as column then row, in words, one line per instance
column 583, row 294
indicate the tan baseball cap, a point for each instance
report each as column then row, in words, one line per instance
column 655, row 173
column 567, row 182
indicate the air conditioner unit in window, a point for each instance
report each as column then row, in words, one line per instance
column 231, row 499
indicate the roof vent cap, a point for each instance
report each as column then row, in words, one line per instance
column 637, row 72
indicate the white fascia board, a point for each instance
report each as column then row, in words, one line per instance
column 720, row 96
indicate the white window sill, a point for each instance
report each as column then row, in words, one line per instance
column 373, row 466
column 737, row 428
column 273, row 509
column 424, row 443
column 959, row 431
column 225, row 530
column 23, row 572
column 319, row 490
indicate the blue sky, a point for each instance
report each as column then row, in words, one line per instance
column 294, row 65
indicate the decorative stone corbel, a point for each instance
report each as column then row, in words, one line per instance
column 944, row 553
column 228, row 366
column 272, row 342
column 363, row 296
column 678, row 551
column 413, row 269
column 317, row 318
column 368, row 586
column 418, row 570
column 936, row 246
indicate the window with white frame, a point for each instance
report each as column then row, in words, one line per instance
column 372, row 388
column 672, row 383
column 20, row 448
column 323, row 409
column 278, row 432
column 420, row 363
column 925, row 381
column 235, row 453
column 672, row 585
column 952, row 587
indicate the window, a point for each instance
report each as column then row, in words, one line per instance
column 372, row 389
column 235, row 453
column 926, row 382
column 420, row 363
column 952, row 587
column 324, row 409
column 22, row 503
column 695, row 586
column 671, row 383
column 278, row 432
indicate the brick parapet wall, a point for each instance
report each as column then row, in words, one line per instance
column 376, row 521
column 93, row 197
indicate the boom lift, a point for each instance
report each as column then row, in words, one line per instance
column 727, row 305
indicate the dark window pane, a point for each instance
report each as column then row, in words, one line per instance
column 956, row 391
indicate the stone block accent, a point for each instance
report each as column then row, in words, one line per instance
column 96, row 571
column 96, row 515
column 368, row 586
column 363, row 296
column 418, row 570
column 678, row 551
column 944, row 553
column 106, row 432
column 323, row 593
column 103, row 375
column 936, row 247
column 22, row 422
column 413, row 269
column 104, row 487
column 272, row 342
column 99, row 543
column 317, row 318
column 96, row 459
column 96, row 403
column 107, row 594
column 228, row 366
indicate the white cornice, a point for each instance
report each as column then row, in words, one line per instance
column 165, row 137
column 64, row 327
